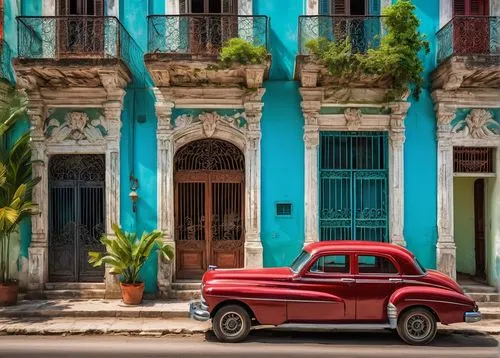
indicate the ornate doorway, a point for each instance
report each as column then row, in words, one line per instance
column 76, row 216
column 209, row 207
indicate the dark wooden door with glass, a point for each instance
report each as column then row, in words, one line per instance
column 80, row 28
column 209, row 207
column 211, row 23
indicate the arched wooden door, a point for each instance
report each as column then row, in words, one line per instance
column 209, row 207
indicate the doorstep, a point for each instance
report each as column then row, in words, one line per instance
column 106, row 308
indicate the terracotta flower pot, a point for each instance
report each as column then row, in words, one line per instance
column 132, row 294
column 8, row 293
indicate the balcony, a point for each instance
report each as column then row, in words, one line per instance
column 184, row 50
column 468, row 53
column 75, row 51
column 362, row 33
column 6, row 71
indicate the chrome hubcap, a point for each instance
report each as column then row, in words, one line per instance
column 231, row 324
column 418, row 327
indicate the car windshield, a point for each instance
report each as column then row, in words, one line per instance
column 300, row 261
column 420, row 266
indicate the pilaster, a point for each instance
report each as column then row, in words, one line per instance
column 311, row 141
column 396, row 172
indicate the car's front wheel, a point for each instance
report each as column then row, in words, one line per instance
column 417, row 326
column 231, row 324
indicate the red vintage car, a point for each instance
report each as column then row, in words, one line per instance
column 360, row 284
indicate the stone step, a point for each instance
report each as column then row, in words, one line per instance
column 75, row 286
column 484, row 297
column 186, row 295
column 74, row 294
column 478, row 288
column 186, row 285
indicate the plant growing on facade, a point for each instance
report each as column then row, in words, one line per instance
column 126, row 255
column 237, row 50
column 397, row 57
column 16, row 182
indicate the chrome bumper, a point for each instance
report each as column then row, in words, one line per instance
column 471, row 317
column 199, row 311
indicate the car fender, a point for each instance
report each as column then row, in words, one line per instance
column 449, row 306
column 268, row 303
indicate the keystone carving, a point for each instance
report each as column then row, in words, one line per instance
column 76, row 126
column 353, row 117
column 478, row 124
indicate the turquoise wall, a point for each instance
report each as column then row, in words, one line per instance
column 282, row 143
column 420, row 195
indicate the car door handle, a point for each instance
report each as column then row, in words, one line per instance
column 347, row 280
column 396, row 280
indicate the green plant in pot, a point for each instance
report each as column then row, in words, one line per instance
column 126, row 254
column 16, row 184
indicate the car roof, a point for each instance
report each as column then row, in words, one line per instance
column 360, row 247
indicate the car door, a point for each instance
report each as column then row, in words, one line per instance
column 377, row 277
column 324, row 291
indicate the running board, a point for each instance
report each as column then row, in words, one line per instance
column 319, row 326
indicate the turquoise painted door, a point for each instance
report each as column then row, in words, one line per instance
column 353, row 189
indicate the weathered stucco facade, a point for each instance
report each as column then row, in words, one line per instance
column 155, row 97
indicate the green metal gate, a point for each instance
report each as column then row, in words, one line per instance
column 353, row 190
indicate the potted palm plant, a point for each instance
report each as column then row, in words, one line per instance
column 16, row 184
column 126, row 254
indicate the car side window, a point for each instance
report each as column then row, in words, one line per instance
column 331, row 264
column 372, row 264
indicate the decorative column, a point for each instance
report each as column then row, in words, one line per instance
column 253, row 244
column 38, row 251
column 311, row 141
column 445, row 248
column 165, row 186
column 112, row 112
column 396, row 172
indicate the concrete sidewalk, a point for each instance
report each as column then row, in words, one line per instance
column 96, row 308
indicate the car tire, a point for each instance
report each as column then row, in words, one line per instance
column 417, row 326
column 231, row 324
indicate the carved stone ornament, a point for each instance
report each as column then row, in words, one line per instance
column 76, row 126
column 478, row 124
column 210, row 121
column 353, row 117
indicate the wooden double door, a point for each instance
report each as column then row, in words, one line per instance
column 209, row 208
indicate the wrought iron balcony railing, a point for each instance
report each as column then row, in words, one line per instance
column 6, row 71
column 364, row 32
column 78, row 38
column 203, row 34
column 469, row 35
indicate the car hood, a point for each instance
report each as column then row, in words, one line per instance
column 440, row 279
column 262, row 274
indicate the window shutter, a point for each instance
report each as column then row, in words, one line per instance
column 458, row 7
column 374, row 7
column 478, row 7
column 339, row 7
column 98, row 8
column 324, row 7
column 62, row 9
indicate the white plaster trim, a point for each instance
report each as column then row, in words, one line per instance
column 446, row 104
column 172, row 7
column 49, row 8
column 172, row 136
column 385, row 3
column 393, row 123
column 445, row 12
column 112, row 8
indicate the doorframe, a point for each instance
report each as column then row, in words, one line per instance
column 353, row 119
column 446, row 105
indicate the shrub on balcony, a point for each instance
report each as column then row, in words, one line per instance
column 237, row 50
column 397, row 57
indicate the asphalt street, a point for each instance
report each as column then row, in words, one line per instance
column 261, row 343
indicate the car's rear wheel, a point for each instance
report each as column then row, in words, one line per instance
column 231, row 324
column 417, row 326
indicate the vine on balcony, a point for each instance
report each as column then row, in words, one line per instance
column 397, row 56
column 237, row 50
